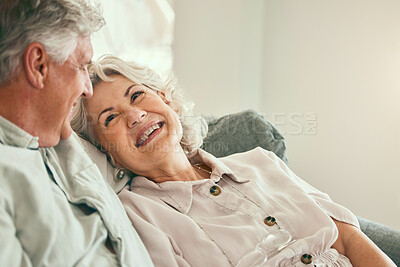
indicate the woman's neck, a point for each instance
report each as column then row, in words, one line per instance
column 176, row 167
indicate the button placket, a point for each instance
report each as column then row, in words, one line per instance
column 269, row 220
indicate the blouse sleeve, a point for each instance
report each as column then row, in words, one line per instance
column 333, row 209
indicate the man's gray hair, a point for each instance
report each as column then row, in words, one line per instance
column 194, row 127
column 57, row 24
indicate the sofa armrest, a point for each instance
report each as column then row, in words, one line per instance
column 387, row 239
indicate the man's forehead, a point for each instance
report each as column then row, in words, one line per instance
column 84, row 51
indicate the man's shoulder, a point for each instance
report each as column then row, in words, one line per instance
column 18, row 166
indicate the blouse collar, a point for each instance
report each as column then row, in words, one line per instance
column 179, row 194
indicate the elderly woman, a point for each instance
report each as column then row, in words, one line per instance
column 192, row 209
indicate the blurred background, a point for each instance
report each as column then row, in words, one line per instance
column 325, row 73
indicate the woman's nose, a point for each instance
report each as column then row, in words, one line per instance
column 135, row 116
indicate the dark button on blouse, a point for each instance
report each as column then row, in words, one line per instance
column 215, row 190
column 270, row 221
column 306, row 259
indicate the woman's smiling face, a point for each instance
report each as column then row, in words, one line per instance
column 133, row 123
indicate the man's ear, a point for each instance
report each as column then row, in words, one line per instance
column 36, row 63
column 163, row 97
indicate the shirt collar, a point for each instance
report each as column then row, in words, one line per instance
column 179, row 194
column 12, row 135
column 218, row 168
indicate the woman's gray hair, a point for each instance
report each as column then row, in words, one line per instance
column 194, row 127
column 57, row 24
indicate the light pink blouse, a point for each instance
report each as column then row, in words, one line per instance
column 253, row 211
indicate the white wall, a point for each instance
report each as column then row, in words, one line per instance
column 325, row 72
column 137, row 30
column 208, row 51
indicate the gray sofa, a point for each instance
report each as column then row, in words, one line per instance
column 246, row 130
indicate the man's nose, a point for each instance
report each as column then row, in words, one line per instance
column 88, row 91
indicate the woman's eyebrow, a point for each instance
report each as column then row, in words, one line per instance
column 128, row 90
column 107, row 109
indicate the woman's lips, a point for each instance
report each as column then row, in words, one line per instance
column 148, row 132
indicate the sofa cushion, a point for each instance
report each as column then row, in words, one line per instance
column 241, row 132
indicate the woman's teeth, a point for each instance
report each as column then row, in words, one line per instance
column 147, row 133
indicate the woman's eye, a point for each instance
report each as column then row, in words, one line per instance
column 109, row 119
column 135, row 95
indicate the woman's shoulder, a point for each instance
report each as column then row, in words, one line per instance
column 257, row 160
column 254, row 156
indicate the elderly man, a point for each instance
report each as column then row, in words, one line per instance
column 55, row 209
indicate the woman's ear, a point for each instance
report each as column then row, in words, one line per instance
column 36, row 63
column 163, row 97
column 166, row 101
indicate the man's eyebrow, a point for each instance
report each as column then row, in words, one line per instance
column 86, row 62
column 128, row 90
column 106, row 110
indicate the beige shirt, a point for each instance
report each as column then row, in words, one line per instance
column 190, row 224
